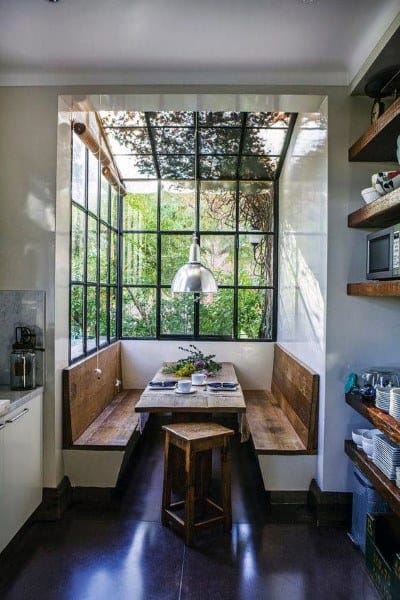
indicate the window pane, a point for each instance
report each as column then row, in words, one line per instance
column 139, row 312
column 256, row 206
column 128, row 118
column 256, row 259
column 218, row 167
column 92, row 250
column 264, row 141
column 140, row 258
column 114, row 207
column 93, row 183
column 177, row 206
column 268, row 119
column 77, row 244
column 216, row 314
column 125, row 140
column 177, row 313
column 114, row 258
column 78, row 170
column 91, row 317
column 176, row 167
column 104, row 245
column 136, row 167
column 217, row 205
column 113, row 313
column 255, row 314
column 174, row 254
column 76, row 321
column 174, row 140
column 165, row 118
column 219, row 118
column 140, row 206
column 217, row 253
column 103, row 325
column 217, row 140
column 258, row 167
column 104, row 200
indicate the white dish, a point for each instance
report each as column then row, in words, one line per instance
column 370, row 194
column 199, row 384
column 4, row 407
column 184, row 393
column 356, row 434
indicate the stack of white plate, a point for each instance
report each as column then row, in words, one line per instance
column 394, row 408
column 382, row 399
column 398, row 477
column 386, row 455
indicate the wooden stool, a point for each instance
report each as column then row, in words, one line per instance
column 197, row 440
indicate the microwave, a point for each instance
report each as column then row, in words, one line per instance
column 383, row 253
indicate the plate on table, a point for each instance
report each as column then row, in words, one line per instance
column 192, row 391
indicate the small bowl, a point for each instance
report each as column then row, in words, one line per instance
column 356, row 434
column 370, row 194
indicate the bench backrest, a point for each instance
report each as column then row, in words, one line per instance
column 85, row 395
column 296, row 387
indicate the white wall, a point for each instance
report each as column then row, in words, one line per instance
column 252, row 360
column 302, row 275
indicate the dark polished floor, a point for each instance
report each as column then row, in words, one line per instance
column 124, row 552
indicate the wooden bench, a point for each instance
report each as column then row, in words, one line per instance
column 98, row 417
column 285, row 420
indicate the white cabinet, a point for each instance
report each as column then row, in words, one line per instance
column 21, row 478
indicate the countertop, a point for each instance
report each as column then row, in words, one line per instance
column 20, row 397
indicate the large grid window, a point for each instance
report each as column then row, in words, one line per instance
column 94, row 255
column 236, row 225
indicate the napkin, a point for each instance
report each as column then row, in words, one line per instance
column 166, row 383
column 223, row 385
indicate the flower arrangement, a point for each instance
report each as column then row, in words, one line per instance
column 196, row 361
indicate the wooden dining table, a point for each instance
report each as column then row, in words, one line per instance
column 202, row 401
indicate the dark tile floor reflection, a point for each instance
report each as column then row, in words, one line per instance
column 123, row 552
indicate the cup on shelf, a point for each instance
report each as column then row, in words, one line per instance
column 199, row 378
column 184, row 385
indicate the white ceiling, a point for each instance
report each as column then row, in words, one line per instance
column 188, row 41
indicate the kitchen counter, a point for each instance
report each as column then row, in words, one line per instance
column 20, row 397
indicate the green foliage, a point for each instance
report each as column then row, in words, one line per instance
column 196, row 361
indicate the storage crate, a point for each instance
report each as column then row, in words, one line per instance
column 365, row 500
column 383, row 554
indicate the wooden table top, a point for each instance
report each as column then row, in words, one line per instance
column 201, row 401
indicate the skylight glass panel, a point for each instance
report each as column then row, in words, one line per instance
column 176, row 167
column 136, row 167
column 264, row 141
column 268, row 119
column 129, row 141
column 220, row 119
column 214, row 140
column 218, row 167
column 173, row 140
column 127, row 118
column 171, row 119
column 258, row 167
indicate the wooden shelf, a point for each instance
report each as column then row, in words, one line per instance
column 381, row 420
column 381, row 213
column 374, row 288
column 378, row 144
column 387, row 488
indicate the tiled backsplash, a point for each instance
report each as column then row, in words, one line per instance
column 20, row 308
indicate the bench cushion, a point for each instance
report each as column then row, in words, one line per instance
column 114, row 427
column 271, row 430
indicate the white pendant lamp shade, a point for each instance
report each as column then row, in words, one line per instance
column 193, row 276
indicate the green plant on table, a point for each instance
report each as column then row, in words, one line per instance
column 196, row 361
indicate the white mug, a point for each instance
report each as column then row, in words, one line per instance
column 184, row 385
column 199, row 378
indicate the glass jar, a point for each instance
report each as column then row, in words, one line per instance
column 22, row 369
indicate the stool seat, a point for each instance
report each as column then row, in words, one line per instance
column 193, row 432
column 195, row 442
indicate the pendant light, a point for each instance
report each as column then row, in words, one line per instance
column 194, row 277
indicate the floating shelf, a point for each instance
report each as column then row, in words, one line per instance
column 381, row 420
column 381, row 213
column 387, row 488
column 378, row 144
column 374, row 288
